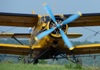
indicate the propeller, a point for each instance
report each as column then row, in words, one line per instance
column 41, row 35
column 64, row 37
column 50, row 12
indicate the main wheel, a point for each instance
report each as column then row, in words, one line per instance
column 35, row 61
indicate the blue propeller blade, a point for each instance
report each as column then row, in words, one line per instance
column 66, row 40
column 50, row 12
column 64, row 37
column 71, row 18
column 41, row 35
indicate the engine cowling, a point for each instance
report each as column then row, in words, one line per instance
column 56, row 33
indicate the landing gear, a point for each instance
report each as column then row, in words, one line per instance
column 38, row 54
column 74, row 58
column 52, row 53
column 35, row 61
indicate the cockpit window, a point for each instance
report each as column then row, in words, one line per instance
column 45, row 19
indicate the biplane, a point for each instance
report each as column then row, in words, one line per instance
column 48, row 34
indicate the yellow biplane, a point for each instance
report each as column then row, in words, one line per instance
column 48, row 34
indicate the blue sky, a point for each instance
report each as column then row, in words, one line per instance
column 58, row 7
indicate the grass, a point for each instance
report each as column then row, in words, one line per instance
column 21, row 66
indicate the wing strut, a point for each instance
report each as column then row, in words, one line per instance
column 17, row 40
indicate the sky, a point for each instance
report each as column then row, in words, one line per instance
column 58, row 7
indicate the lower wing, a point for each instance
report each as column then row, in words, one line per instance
column 87, row 49
column 14, row 49
column 17, row 35
column 25, row 50
column 83, row 49
column 27, row 35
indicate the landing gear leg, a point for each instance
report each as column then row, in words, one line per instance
column 35, row 61
column 76, row 59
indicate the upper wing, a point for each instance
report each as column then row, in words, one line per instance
column 30, row 20
column 21, row 20
column 14, row 49
column 89, row 19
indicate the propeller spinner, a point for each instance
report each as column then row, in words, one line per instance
column 58, row 26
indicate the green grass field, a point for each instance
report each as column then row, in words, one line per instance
column 21, row 66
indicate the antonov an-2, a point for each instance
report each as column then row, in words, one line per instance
column 49, row 37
